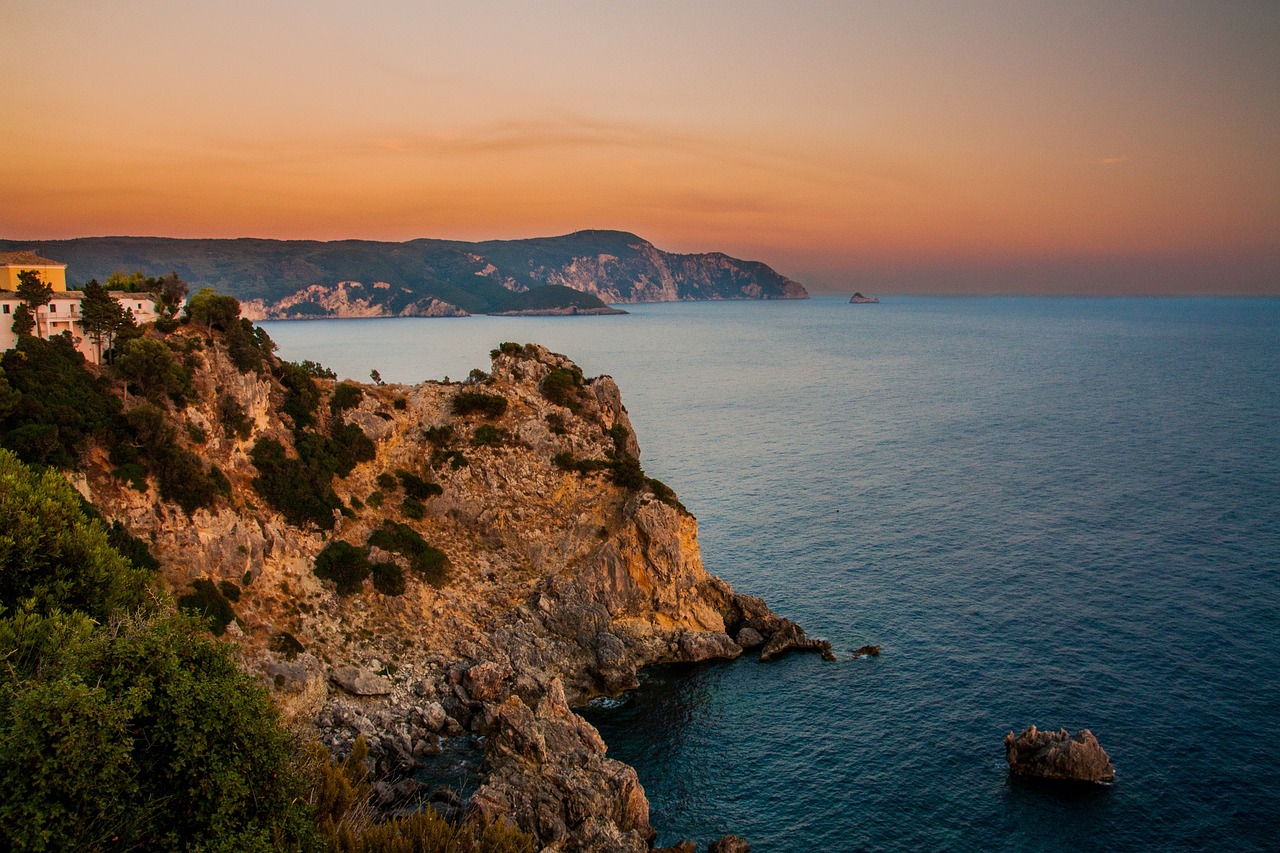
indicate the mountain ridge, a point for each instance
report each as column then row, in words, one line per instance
column 425, row 276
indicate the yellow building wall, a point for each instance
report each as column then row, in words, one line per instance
column 55, row 277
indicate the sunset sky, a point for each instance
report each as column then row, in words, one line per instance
column 1099, row 147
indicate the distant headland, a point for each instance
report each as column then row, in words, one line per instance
column 579, row 273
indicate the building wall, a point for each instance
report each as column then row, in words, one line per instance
column 54, row 276
column 63, row 315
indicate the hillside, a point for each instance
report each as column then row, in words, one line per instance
column 293, row 278
column 442, row 566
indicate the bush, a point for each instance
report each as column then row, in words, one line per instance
column 555, row 423
column 402, row 539
column 229, row 591
column 416, row 487
column 150, row 367
column 301, row 492
column 316, row 370
column 344, row 564
column 53, row 556
column 347, row 395
column 388, row 482
column 179, row 472
column 146, row 736
column 351, row 447
column 475, row 402
column 51, row 403
column 488, row 435
column 628, row 474
column 561, row 386
column 388, row 578
column 301, row 395
column 248, row 346
column 413, row 508
column 207, row 602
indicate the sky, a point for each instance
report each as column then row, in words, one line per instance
column 891, row 147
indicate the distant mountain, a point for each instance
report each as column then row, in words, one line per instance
column 365, row 278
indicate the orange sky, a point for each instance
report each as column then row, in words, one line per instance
column 904, row 146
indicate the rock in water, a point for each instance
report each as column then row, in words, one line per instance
column 1058, row 755
column 730, row 844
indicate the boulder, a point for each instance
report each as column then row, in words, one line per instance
column 359, row 682
column 1058, row 755
column 750, row 638
column 869, row 651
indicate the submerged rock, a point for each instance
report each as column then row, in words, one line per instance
column 869, row 651
column 1058, row 755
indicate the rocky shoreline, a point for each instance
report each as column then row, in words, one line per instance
column 564, row 580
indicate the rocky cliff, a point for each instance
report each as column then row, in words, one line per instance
column 565, row 572
column 363, row 278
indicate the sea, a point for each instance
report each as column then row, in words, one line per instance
column 1053, row 511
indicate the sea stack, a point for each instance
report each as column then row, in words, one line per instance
column 859, row 299
column 1058, row 756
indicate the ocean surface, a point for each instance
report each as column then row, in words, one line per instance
column 1063, row 512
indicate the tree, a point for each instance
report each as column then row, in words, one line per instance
column 151, row 366
column 23, row 320
column 101, row 315
column 171, row 293
column 52, row 556
column 213, row 310
column 35, row 293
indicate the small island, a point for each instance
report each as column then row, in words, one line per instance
column 859, row 299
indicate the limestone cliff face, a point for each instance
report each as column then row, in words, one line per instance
column 349, row 299
column 561, row 585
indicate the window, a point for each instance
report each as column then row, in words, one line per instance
column 53, row 308
column 6, row 308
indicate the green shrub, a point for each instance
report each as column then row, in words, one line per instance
column 206, row 601
column 400, row 404
column 388, row 578
column 375, row 500
column 52, row 555
column 475, row 402
column 510, row 348
column 344, row 564
column 196, row 434
column 402, row 539
column 413, row 508
column 388, row 482
column 561, row 386
column 488, row 435
column 248, row 346
column 146, row 737
column 666, row 494
column 416, row 487
column 301, row 397
column 179, row 472
column 229, row 591
column 347, row 395
column 133, row 474
column 316, row 370
column 51, row 403
column 301, row 492
column 151, row 369
column 628, row 474
column 350, row 447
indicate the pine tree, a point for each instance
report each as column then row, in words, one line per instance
column 35, row 293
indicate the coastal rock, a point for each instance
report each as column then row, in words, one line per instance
column 730, row 844
column 679, row 847
column 750, row 638
column 790, row 637
column 869, row 651
column 359, row 682
column 1058, row 755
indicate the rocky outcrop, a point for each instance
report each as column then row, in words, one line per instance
column 1058, row 756
column 561, row 584
column 349, row 299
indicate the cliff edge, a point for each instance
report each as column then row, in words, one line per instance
column 487, row 555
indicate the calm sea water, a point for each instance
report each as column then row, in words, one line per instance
column 1054, row 511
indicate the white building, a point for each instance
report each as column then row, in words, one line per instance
column 62, row 314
